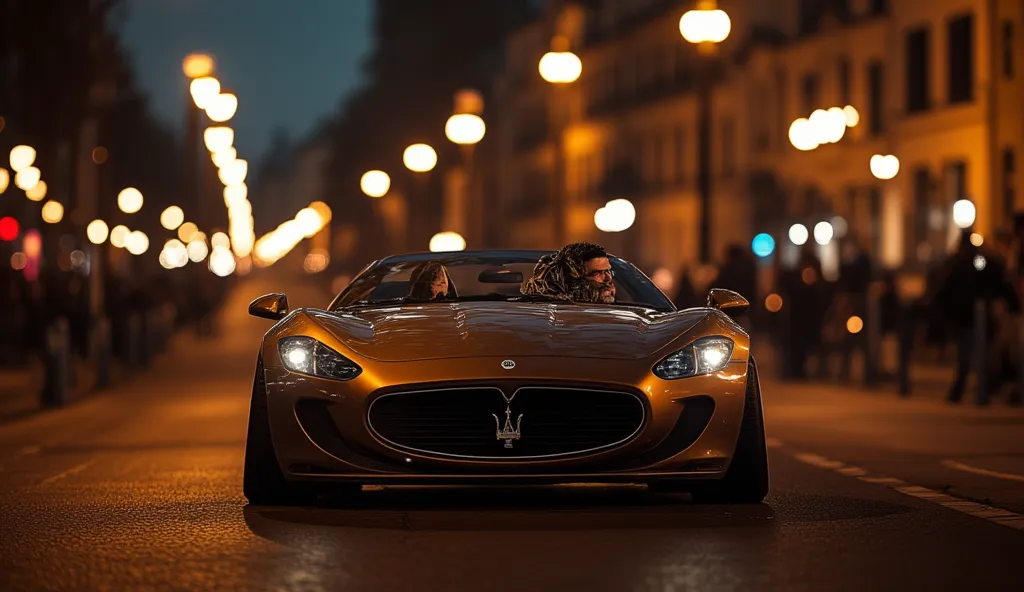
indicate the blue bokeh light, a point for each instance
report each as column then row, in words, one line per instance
column 763, row 245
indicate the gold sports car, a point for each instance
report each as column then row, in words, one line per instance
column 483, row 385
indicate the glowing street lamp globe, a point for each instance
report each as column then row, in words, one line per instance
column 129, row 200
column 218, row 138
column 197, row 65
column 706, row 24
column 560, row 67
column 447, row 242
column 419, row 158
column 97, row 232
column 465, row 129
column 222, row 107
column 375, row 183
column 22, row 157
column 27, row 178
column 964, row 213
column 172, row 218
column 204, row 91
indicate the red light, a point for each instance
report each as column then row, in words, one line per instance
column 8, row 229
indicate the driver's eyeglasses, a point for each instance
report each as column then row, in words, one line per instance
column 600, row 272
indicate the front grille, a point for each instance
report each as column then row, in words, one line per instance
column 541, row 421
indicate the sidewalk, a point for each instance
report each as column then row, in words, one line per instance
column 929, row 382
column 19, row 391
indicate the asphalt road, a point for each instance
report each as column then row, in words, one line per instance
column 139, row 489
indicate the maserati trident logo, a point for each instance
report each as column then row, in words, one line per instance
column 508, row 364
column 507, row 432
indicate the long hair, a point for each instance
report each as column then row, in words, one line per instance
column 560, row 274
column 422, row 278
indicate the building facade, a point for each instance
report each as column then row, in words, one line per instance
column 937, row 84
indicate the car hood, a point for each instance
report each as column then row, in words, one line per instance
column 435, row 331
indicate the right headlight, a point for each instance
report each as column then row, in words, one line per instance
column 704, row 356
column 306, row 355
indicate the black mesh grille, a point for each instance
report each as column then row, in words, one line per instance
column 544, row 421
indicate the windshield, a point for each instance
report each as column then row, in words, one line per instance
column 469, row 278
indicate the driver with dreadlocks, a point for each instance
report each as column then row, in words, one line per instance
column 578, row 272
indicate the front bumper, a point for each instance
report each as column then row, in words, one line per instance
column 320, row 431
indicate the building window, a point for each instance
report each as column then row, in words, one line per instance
column 728, row 147
column 1008, row 48
column 875, row 98
column 844, row 81
column 961, row 59
column 1009, row 182
column 679, row 154
column 809, row 90
column 918, row 49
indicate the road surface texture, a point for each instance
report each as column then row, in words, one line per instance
column 139, row 488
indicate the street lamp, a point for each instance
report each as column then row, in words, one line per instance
column 53, row 212
column 218, row 138
column 560, row 67
column 129, row 200
column 222, row 108
column 375, row 183
column 97, row 232
column 447, row 242
column 22, row 157
column 419, row 158
column 466, row 129
column 38, row 192
column 27, row 178
column 964, row 213
column 5, row 180
column 707, row 26
column 204, row 91
column 197, row 65
column 884, row 167
column 172, row 218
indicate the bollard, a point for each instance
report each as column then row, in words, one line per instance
column 101, row 351
column 980, row 355
column 873, row 345
column 58, row 349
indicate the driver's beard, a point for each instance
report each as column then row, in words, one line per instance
column 588, row 291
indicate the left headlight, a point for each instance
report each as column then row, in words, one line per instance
column 306, row 355
column 704, row 356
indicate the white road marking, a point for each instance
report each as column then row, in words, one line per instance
column 996, row 515
column 73, row 470
column 979, row 471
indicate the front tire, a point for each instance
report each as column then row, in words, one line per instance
column 747, row 480
column 263, row 482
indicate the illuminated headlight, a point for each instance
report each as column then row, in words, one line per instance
column 704, row 356
column 306, row 355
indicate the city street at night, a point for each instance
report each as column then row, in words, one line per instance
column 139, row 488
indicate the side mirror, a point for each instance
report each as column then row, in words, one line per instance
column 270, row 306
column 727, row 301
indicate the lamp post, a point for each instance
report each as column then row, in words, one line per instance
column 559, row 67
column 466, row 128
column 203, row 88
column 706, row 27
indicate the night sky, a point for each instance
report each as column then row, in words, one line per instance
column 288, row 62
